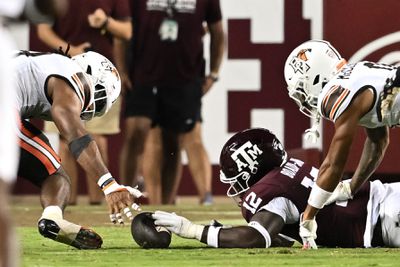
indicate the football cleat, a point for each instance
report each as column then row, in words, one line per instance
column 69, row 233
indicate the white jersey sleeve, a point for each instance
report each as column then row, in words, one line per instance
column 33, row 72
column 338, row 94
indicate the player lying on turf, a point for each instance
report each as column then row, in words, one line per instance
column 64, row 90
column 272, row 188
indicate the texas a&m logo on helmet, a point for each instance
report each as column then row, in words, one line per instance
column 247, row 157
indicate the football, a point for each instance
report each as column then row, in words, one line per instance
column 148, row 235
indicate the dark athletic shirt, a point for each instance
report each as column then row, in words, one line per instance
column 170, row 63
column 75, row 29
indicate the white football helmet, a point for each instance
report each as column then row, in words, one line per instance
column 106, row 83
column 307, row 69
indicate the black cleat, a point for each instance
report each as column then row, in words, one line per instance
column 69, row 233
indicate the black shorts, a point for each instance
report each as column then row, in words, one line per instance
column 38, row 160
column 172, row 108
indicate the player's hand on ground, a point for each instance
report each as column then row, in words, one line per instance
column 342, row 192
column 178, row 224
column 120, row 200
column 308, row 233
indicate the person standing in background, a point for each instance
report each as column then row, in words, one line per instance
column 199, row 163
column 99, row 26
column 167, row 89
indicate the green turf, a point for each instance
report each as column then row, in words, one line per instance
column 119, row 248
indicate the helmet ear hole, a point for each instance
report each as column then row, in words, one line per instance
column 89, row 70
column 99, row 86
column 316, row 80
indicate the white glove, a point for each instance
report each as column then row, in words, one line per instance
column 312, row 134
column 178, row 225
column 308, row 233
column 342, row 192
column 109, row 185
column 136, row 193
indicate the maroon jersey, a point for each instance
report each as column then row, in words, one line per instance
column 170, row 63
column 341, row 226
column 74, row 27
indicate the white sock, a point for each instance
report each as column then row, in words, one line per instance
column 52, row 212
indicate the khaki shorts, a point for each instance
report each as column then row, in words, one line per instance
column 107, row 124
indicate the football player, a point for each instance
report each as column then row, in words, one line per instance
column 350, row 95
column 272, row 189
column 64, row 90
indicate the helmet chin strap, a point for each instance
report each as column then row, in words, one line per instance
column 312, row 133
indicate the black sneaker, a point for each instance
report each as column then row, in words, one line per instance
column 69, row 233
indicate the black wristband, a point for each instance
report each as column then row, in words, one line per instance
column 79, row 144
column 204, row 234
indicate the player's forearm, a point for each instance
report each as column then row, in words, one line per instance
column 91, row 161
column 371, row 157
column 329, row 175
column 85, row 151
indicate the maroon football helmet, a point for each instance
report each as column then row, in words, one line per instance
column 247, row 157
